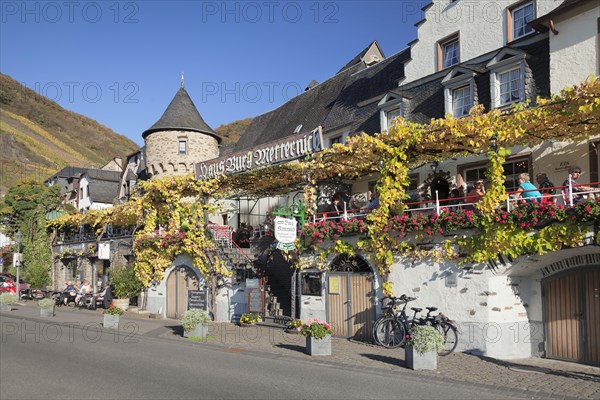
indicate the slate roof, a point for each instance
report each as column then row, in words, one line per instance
column 368, row 84
column 103, row 185
column 425, row 96
column 331, row 104
column 182, row 114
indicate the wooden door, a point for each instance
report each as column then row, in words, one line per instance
column 350, row 304
column 592, row 316
column 572, row 316
column 180, row 280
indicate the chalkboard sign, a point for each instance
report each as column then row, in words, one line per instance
column 197, row 299
column 255, row 301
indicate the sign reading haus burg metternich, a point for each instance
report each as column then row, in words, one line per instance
column 290, row 148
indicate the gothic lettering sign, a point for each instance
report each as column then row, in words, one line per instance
column 285, row 230
column 197, row 299
column 288, row 149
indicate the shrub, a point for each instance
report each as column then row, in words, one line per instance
column 125, row 283
column 112, row 310
column 46, row 303
column 192, row 318
column 8, row 298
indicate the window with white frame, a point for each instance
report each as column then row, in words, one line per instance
column 510, row 86
column 182, row 146
column 450, row 53
column 520, row 16
column 462, row 101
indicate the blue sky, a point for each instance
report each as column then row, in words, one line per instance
column 120, row 63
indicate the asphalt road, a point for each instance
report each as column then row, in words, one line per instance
column 49, row 361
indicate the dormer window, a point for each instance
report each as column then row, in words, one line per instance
column 462, row 101
column 507, row 77
column 182, row 146
column 518, row 18
column 459, row 91
column 448, row 51
column 391, row 115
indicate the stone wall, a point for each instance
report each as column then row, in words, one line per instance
column 162, row 152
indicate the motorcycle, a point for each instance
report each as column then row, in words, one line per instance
column 33, row 294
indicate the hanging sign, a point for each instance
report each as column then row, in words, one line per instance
column 285, row 232
column 17, row 259
column 104, row 251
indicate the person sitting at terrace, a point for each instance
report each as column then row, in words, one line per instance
column 86, row 287
column 526, row 190
column 476, row 193
column 544, row 186
column 336, row 210
column 576, row 189
column 373, row 200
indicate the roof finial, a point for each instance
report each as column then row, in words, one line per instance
column 182, row 79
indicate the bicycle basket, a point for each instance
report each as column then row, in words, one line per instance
column 387, row 303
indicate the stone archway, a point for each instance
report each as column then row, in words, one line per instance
column 571, row 309
column 181, row 281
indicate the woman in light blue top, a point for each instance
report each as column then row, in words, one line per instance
column 527, row 191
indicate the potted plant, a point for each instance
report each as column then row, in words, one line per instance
column 422, row 345
column 6, row 301
column 195, row 323
column 46, row 308
column 249, row 319
column 111, row 317
column 294, row 326
column 125, row 285
column 318, row 337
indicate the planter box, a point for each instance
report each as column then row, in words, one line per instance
column 5, row 307
column 417, row 361
column 201, row 331
column 123, row 304
column 318, row 347
column 111, row 321
column 47, row 312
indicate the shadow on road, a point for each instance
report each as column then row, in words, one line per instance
column 386, row 359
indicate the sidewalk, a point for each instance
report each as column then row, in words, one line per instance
column 542, row 377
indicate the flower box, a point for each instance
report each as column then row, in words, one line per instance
column 420, row 361
column 111, row 321
column 318, row 347
column 47, row 312
column 200, row 331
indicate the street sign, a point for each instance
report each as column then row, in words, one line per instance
column 17, row 259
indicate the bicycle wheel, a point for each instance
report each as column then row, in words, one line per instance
column 450, row 337
column 390, row 332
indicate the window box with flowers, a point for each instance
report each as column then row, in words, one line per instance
column 318, row 337
column 421, row 347
column 111, row 317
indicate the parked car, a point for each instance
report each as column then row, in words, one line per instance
column 7, row 285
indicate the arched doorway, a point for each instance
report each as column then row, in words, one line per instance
column 181, row 281
column 572, row 315
column 351, row 297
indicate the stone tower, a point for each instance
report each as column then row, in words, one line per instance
column 179, row 139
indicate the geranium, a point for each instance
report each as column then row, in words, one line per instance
column 112, row 310
column 315, row 328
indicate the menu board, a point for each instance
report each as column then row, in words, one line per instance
column 197, row 299
column 255, row 301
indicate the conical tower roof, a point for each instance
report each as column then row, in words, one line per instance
column 182, row 115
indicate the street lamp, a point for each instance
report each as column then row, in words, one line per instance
column 18, row 238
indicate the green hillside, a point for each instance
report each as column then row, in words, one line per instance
column 38, row 137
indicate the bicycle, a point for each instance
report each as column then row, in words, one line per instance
column 391, row 329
